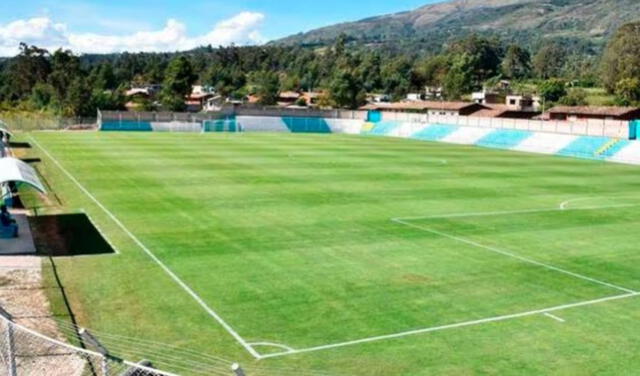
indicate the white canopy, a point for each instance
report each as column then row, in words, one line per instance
column 4, row 130
column 14, row 170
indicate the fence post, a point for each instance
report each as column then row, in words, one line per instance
column 237, row 370
column 11, row 353
column 93, row 341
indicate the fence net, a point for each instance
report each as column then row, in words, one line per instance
column 25, row 352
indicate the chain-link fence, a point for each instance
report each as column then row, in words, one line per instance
column 26, row 352
column 32, row 121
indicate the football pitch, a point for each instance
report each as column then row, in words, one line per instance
column 355, row 255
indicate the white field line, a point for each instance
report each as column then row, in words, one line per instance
column 454, row 326
column 506, row 212
column 564, row 205
column 177, row 279
column 554, row 317
column 513, row 255
column 271, row 344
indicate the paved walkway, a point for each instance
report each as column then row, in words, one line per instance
column 23, row 244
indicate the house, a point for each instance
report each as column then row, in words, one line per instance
column 526, row 103
column 379, row 98
column 288, row 98
column 202, row 89
column 433, row 92
column 592, row 112
column 312, row 98
column 505, row 111
column 213, row 104
column 144, row 91
column 487, row 97
column 198, row 100
column 429, row 107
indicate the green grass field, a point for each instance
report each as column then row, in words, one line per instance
column 355, row 255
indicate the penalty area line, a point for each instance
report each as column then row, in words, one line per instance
column 455, row 326
column 166, row 269
column 513, row 255
column 554, row 317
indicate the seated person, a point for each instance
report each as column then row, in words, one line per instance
column 8, row 224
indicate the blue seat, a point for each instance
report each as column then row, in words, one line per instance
column 9, row 232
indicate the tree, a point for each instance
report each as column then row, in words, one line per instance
column 628, row 91
column 27, row 69
column 516, row 63
column 267, row 85
column 621, row 59
column 433, row 70
column 108, row 100
column 42, row 95
column 483, row 57
column 549, row 61
column 346, row 91
column 459, row 79
column 105, row 78
column 396, row 77
column 179, row 78
column 78, row 99
column 552, row 90
column 65, row 70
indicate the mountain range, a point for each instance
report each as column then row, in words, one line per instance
column 584, row 22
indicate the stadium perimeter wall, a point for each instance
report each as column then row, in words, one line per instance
column 599, row 140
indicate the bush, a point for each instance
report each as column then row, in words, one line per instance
column 552, row 90
column 628, row 91
column 575, row 97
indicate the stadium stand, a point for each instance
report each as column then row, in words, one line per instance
column 591, row 141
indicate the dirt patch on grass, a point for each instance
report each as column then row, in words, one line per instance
column 416, row 278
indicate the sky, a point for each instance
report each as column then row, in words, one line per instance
column 103, row 26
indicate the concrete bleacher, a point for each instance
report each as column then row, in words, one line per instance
column 545, row 143
column 23, row 244
column 504, row 138
column 467, row 135
column 435, row 132
column 584, row 147
column 383, row 128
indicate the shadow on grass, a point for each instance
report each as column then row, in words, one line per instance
column 67, row 235
column 19, row 145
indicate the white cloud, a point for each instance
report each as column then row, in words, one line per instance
column 241, row 29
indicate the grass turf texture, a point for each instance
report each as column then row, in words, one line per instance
column 290, row 239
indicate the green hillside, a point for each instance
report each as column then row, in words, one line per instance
column 585, row 22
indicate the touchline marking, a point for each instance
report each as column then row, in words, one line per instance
column 177, row 279
column 506, row 212
column 552, row 316
column 513, row 255
column 454, row 326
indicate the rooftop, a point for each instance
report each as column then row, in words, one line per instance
column 420, row 106
column 593, row 110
